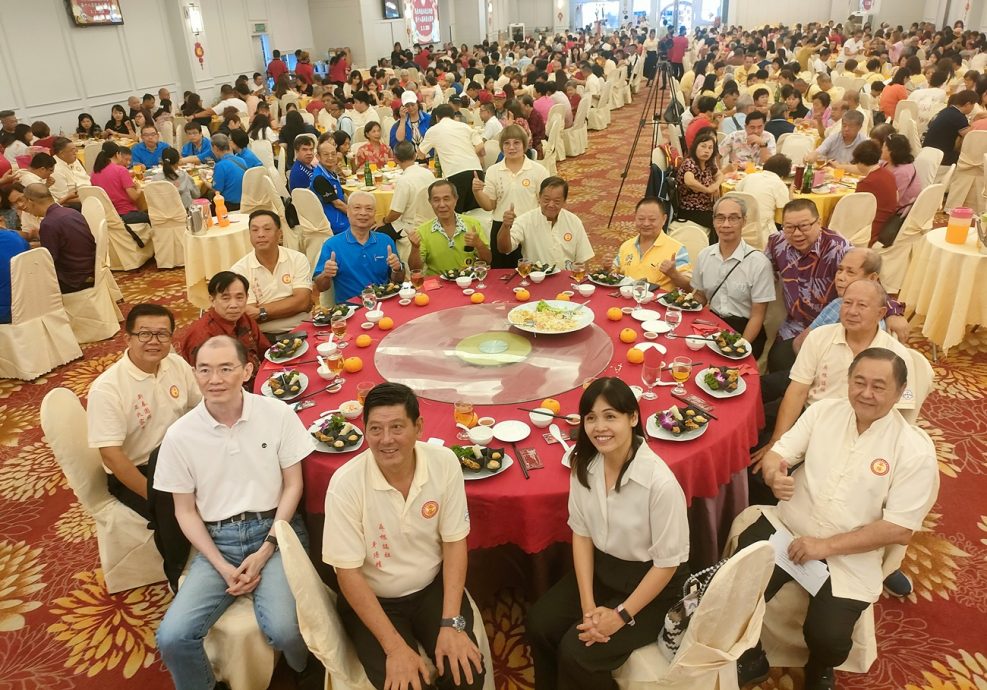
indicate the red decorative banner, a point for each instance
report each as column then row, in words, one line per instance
column 425, row 19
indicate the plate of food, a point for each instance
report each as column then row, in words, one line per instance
column 721, row 382
column 386, row 290
column 678, row 423
column 607, row 278
column 333, row 434
column 552, row 316
column 545, row 267
column 286, row 385
column 286, row 349
column 482, row 463
column 681, row 300
column 323, row 316
column 729, row 344
column 454, row 273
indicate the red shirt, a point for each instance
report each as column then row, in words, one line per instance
column 574, row 102
column 209, row 324
column 693, row 129
column 679, row 45
column 337, row 72
column 305, row 72
column 537, row 126
column 276, row 68
column 422, row 59
column 884, row 187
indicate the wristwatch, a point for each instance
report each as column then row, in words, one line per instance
column 262, row 315
column 625, row 616
column 271, row 539
column 457, row 623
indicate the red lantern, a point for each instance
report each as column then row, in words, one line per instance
column 200, row 53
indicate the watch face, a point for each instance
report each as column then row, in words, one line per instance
column 459, row 623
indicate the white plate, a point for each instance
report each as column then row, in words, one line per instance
column 352, row 309
column 324, row 447
column 656, row 326
column 741, row 386
column 265, row 388
column 716, row 348
column 584, row 316
column 645, row 315
column 644, row 346
column 623, row 281
column 511, row 431
column 656, row 431
column 661, row 301
column 298, row 353
column 506, row 462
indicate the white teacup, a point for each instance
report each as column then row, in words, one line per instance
column 626, row 291
column 464, row 281
column 481, row 435
column 541, row 417
column 374, row 316
column 585, row 290
column 695, row 342
column 326, row 349
column 536, row 276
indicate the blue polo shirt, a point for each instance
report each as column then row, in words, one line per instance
column 300, row 175
column 327, row 187
column 203, row 152
column 11, row 244
column 227, row 177
column 144, row 156
column 360, row 265
column 424, row 122
column 250, row 158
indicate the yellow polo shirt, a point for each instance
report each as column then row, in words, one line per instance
column 636, row 266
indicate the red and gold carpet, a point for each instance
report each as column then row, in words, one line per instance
column 59, row 629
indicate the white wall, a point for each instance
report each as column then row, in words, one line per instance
column 470, row 22
column 756, row 12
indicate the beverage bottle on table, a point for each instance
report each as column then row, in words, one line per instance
column 807, row 179
column 222, row 215
column 368, row 175
column 438, row 166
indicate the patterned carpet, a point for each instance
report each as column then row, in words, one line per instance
column 59, row 629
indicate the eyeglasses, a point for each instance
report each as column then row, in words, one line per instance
column 732, row 220
column 160, row 336
column 802, row 228
column 224, row 372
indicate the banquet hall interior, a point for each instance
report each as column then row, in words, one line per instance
column 82, row 589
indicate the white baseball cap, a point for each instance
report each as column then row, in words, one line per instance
column 408, row 97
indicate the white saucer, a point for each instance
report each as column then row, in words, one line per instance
column 511, row 431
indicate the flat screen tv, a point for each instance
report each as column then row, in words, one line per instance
column 95, row 12
column 392, row 9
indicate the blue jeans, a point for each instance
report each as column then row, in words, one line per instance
column 202, row 599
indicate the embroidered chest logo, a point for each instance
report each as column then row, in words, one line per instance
column 526, row 182
column 880, row 467
column 430, row 509
column 567, row 237
column 174, row 392
column 286, row 279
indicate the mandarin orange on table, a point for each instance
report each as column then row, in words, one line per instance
column 628, row 335
column 522, row 295
column 614, row 314
column 562, row 296
column 551, row 404
column 386, row 323
column 351, row 365
column 477, row 298
column 635, row 356
column 421, row 299
column 363, row 340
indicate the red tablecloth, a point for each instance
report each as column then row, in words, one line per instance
column 531, row 513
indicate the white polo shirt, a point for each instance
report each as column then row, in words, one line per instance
column 823, row 363
column 360, row 120
column 520, row 189
column 292, row 271
column 130, row 408
column 396, row 543
column 455, row 143
column 67, row 178
column 235, row 469
column 751, row 282
column 411, row 198
column 770, row 192
column 552, row 244
column 645, row 521
column 850, row 480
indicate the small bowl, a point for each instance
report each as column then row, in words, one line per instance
column 519, row 289
column 468, row 291
column 464, row 281
column 568, row 293
column 536, row 276
column 481, row 435
column 694, row 342
column 637, row 391
column 573, row 419
column 626, row 291
column 541, row 417
column 351, row 409
column 326, row 349
column 325, row 373
column 366, row 325
column 374, row 316
column 586, row 290
column 404, row 302
column 627, row 310
column 486, row 421
column 650, row 335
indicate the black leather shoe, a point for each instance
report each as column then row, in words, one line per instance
column 822, row 679
column 752, row 667
column 313, row 677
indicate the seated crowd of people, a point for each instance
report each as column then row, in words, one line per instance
column 839, row 383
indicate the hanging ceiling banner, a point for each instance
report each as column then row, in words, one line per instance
column 424, row 21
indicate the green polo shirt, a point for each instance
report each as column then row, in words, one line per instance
column 438, row 252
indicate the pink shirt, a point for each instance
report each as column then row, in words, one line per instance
column 115, row 180
column 543, row 105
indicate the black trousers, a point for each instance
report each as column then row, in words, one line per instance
column 464, row 187
column 678, row 70
column 416, row 618
column 561, row 660
column 829, row 621
column 739, row 323
column 499, row 259
column 781, row 357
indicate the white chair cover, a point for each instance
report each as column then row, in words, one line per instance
column 313, row 225
column 307, row 117
column 756, row 229
column 258, row 192
column 127, row 553
column 164, row 205
column 124, row 253
column 726, row 624
column 264, row 150
column 322, row 629
column 924, row 380
column 944, row 175
column 39, row 336
column 895, row 259
column 905, row 106
column 795, row 146
column 576, row 137
column 927, row 162
column 90, row 152
column 383, row 112
column 553, row 137
column 967, row 185
column 92, row 211
column 93, row 312
column 491, row 151
column 557, row 112
column 853, row 217
column 692, row 235
column 598, row 116
column 167, row 133
column 907, row 125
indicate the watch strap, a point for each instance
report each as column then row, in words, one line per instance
column 271, row 539
column 625, row 615
column 457, row 623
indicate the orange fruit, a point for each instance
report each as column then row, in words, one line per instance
column 363, row 340
column 614, row 314
column 351, row 365
column 477, row 298
column 628, row 335
column 551, row 404
column 522, row 295
column 562, row 296
column 421, row 299
column 386, row 323
column 635, row 356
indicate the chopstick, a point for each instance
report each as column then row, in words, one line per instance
column 331, row 384
column 705, row 322
column 557, row 416
column 694, row 364
column 520, row 461
column 694, row 337
column 697, row 409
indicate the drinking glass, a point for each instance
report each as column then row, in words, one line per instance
column 673, row 317
column 338, row 324
column 335, row 362
column 650, row 376
column 838, row 174
column 480, row 269
column 369, row 298
column 524, row 268
column 362, row 389
column 640, row 292
column 578, row 271
column 681, row 369
column 463, row 413
column 417, row 279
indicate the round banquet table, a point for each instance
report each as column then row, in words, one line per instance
column 825, row 201
column 506, row 508
column 211, row 251
column 945, row 284
column 383, row 193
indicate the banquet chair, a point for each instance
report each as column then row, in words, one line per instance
column 553, row 136
column 904, row 105
column 384, row 111
column 659, row 158
column 125, row 254
column 313, row 226
column 39, row 336
column 966, row 188
column 90, row 152
column 557, row 112
column 322, row 628
column 491, row 152
column 923, row 381
column 896, row 258
column 598, row 116
column 853, row 216
column 755, row 232
column 95, row 217
column 636, row 74
column 307, row 117
column 726, row 623
column 781, row 140
column 575, row 138
column 694, row 236
column 795, row 147
column 127, row 554
column 907, row 125
column 93, row 312
column 164, row 205
column 258, row 192
column 264, row 150
column 167, row 131
column 617, row 94
column 944, row 176
column 927, row 161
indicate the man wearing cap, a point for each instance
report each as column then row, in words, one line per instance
column 499, row 99
column 412, row 122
